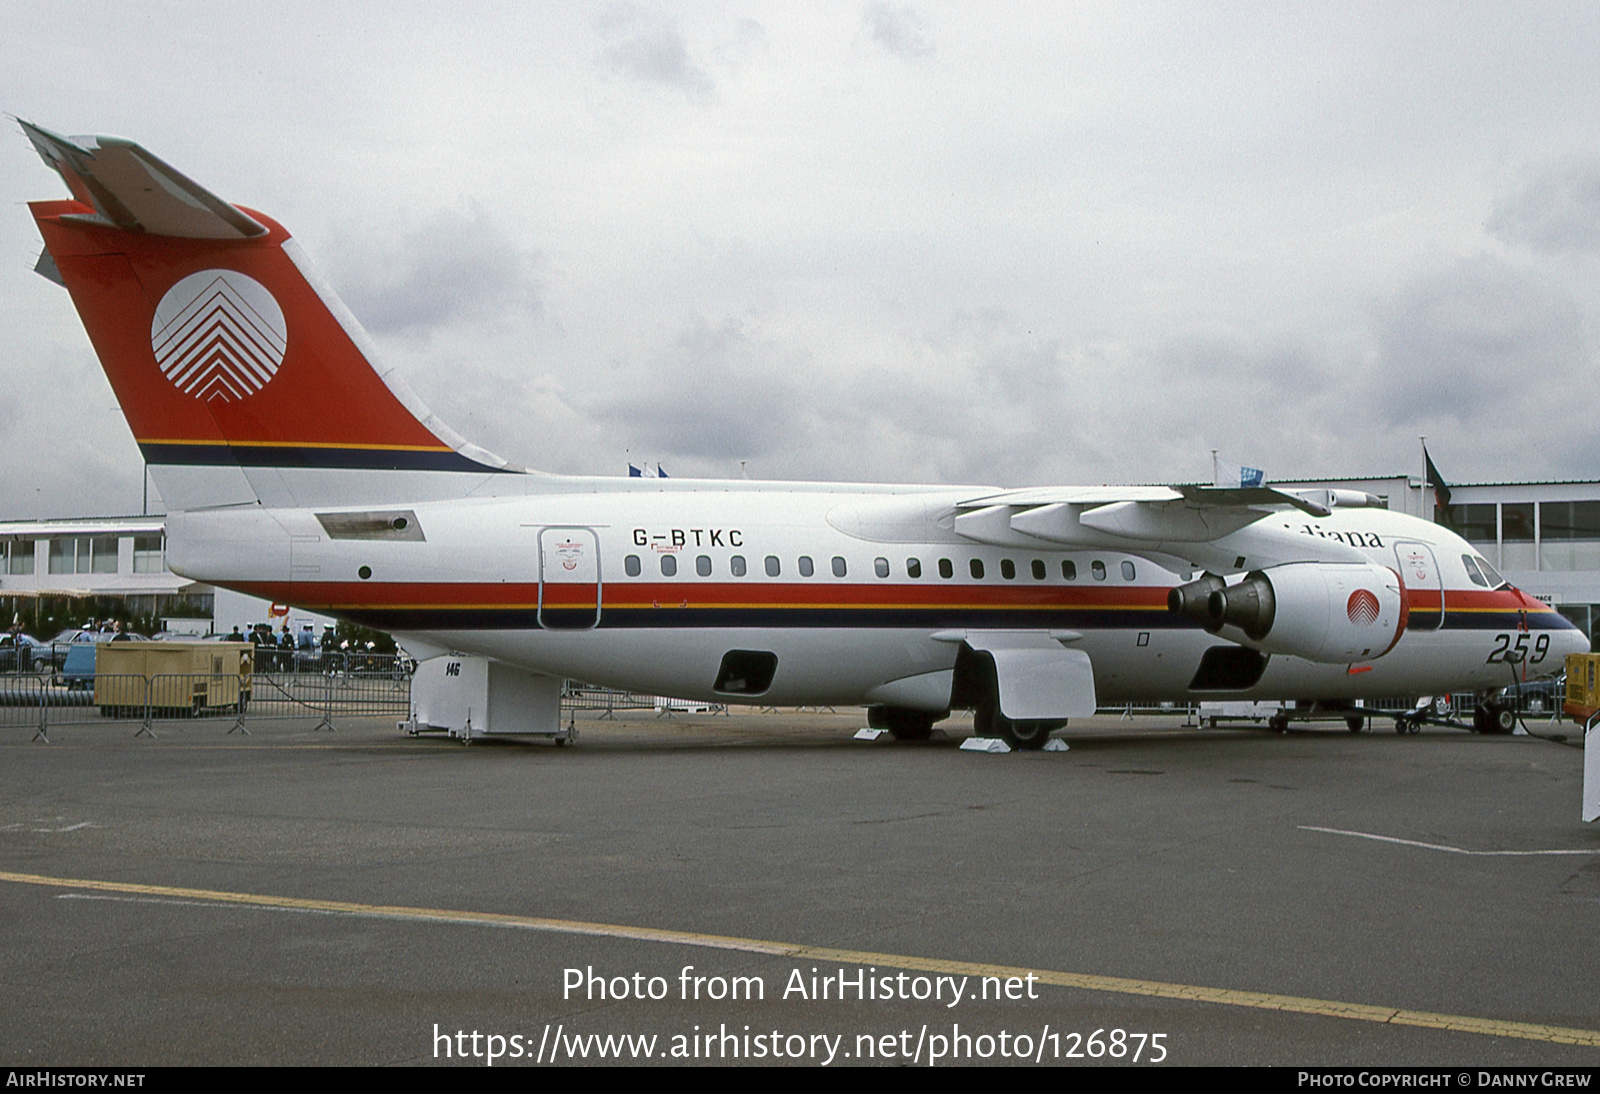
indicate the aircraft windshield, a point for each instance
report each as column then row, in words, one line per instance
column 1489, row 572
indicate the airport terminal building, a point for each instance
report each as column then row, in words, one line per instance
column 1543, row 536
column 55, row 573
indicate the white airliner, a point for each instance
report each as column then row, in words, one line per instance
column 297, row 469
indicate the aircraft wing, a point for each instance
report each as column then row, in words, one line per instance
column 1215, row 528
column 131, row 189
column 1316, row 502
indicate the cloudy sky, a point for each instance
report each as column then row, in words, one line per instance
column 1007, row 245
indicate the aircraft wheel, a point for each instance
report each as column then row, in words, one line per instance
column 1400, row 724
column 1500, row 719
column 1024, row 734
column 1356, row 723
column 908, row 725
column 1278, row 723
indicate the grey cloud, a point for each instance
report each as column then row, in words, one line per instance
column 653, row 54
column 900, row 30
column 1472, row 342
column 456, row 265
column 716, row 393
column 1556, row 210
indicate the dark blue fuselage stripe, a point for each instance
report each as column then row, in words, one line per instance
column 381, row 459
column 932, row 618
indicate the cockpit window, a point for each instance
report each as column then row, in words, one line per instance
column 1473, row 572
column 1489, row 572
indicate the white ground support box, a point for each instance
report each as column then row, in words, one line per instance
column 467, row 697
column 1237, row 710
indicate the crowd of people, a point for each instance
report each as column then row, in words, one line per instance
column 304, row 652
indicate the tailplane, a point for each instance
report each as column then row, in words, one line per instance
column 244, row 378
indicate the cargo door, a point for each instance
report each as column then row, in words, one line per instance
column 569, row 578
column 1419, row 572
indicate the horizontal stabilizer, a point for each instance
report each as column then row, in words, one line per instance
column 131, row 189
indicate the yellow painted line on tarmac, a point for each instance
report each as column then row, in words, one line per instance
column 1361, row 1012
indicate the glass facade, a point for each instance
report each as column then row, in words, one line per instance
column 1569, row 535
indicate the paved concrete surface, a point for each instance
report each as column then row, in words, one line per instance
column 1149, row 852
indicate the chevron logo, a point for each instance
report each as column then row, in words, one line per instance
column 218, row 334
column 1362, row 608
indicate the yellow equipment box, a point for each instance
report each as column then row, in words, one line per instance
column 173, row 677
column 1583, row 685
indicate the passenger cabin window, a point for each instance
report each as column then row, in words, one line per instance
column 1098, row 569
column 773, row 567
column 1008, row 569
column 1069, row 570
column 702, row 565
column 1038, row 569
column 913, row 567
column 631, row 565
column 736, row 564
column 976, row 567
column 838, row 566
column 1128, row 572
column 669, row 565
column 946, row 570
column 880, row 566
column 806, row 568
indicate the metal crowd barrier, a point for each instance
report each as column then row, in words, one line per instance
column 370, row 686
column 579, row 696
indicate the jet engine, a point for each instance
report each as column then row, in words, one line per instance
column 1335, row 613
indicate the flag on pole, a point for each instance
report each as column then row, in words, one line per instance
column 1441, row 489
column 1232, row 476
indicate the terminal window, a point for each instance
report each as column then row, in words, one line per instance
column 19, row 556
column 83, row 555
column 1569, row 535
column 147, row 555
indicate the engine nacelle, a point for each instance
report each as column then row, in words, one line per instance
column 1335, row 613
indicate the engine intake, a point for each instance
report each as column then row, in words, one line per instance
column 1335, row 613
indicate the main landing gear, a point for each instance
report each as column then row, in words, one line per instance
column 1019, row 733
column 904, row 724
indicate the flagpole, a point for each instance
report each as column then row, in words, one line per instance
column 1214, row 479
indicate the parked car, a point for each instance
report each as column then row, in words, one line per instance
column 77, row 669
column 25, row 653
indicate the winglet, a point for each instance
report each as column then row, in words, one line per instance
column 131, row 189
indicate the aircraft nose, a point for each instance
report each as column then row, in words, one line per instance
column 1570, row 639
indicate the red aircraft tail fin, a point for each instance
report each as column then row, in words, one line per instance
column 225, row 348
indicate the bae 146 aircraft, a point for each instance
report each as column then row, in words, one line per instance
column 296, row 468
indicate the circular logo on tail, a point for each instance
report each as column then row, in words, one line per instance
column 1362, row 608
column 218, row 334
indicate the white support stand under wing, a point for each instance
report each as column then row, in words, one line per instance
column 466, row 697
